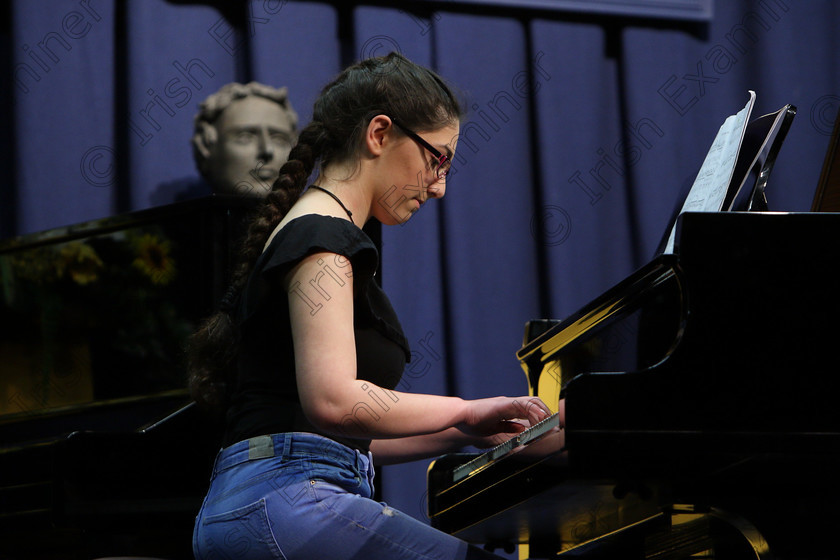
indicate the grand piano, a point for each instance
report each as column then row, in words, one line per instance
column 102, row 452
column 701, row 406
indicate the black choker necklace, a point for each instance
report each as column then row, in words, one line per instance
column 349, row 213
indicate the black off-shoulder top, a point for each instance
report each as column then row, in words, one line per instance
column 264, row 399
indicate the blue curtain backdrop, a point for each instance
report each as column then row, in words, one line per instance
column 582, row 133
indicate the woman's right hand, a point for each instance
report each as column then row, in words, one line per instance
column 502, row 415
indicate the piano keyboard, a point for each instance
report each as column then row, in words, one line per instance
column 523, row 438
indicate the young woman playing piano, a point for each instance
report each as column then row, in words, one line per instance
column 306, row 335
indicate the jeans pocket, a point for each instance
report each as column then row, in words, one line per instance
column 242, row 533
column 321, row 490
column 344, row 476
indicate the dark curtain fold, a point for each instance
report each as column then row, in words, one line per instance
column 581, row 134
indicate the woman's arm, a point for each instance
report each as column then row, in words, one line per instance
column 414, row 448
column 338, row 403
column 452, row 440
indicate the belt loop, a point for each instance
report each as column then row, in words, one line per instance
column 287, row 447
column 216, row 462
column 371, row 470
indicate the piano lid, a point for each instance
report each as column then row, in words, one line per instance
column 97, row 313
column 611, row 334
column 827, row 195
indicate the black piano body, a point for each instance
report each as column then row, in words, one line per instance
column 102, row 452
column 701, row 408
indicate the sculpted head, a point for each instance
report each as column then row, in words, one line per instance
column 242, row 135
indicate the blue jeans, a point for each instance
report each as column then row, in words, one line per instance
column 299, row 496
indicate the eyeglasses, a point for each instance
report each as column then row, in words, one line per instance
column 443, row 163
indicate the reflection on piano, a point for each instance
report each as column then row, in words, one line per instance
column 101, row 451
column 701, row 409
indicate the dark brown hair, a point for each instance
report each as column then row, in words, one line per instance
column 391, row 85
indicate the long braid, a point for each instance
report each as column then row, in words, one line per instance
column 284, row 193
column 212, row 348
column 390, row 85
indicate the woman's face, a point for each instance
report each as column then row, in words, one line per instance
column 407, row 177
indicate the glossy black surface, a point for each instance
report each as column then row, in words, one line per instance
column 106, row 455
column 704, row 384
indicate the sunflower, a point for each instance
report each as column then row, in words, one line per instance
column 153, row 259
column 80, row 262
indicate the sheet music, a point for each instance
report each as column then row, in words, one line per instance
column 710, row 186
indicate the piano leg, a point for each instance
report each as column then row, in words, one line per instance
column 712, row 534
column 682, row 533
column 735, row 537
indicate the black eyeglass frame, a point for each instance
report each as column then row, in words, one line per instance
column 442, row 159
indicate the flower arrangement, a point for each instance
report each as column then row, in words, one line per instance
column 113, row 299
